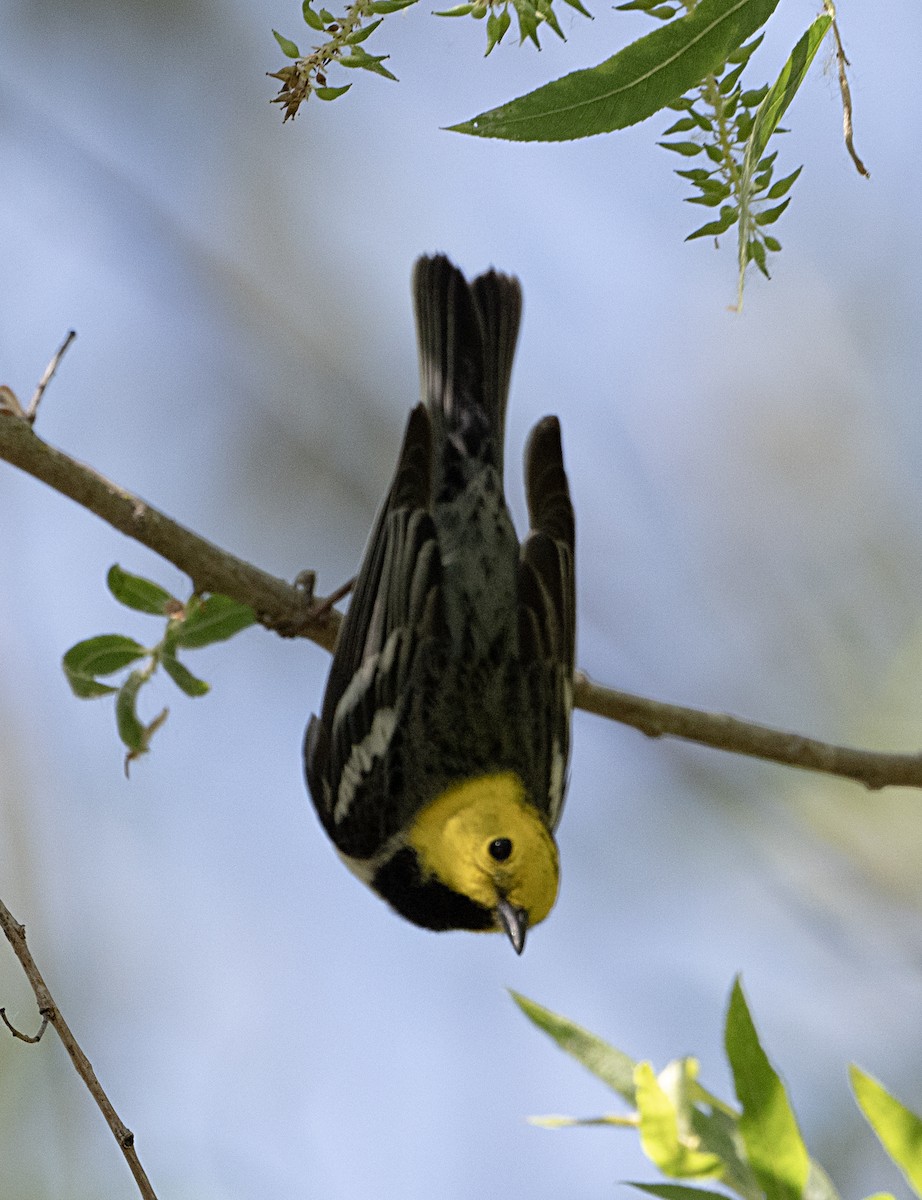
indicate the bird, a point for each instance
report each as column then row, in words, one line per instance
column 438, row 763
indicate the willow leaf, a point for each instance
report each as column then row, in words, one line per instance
column 632, row 85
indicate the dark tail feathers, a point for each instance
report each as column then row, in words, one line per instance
column 467, row 335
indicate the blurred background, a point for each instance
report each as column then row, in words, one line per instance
column 749, row 495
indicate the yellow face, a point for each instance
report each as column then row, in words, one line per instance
column 483, row 839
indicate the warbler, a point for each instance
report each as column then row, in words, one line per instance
column 438, row 764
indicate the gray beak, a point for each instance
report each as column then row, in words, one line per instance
column 514, row 922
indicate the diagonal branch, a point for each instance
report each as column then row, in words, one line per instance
column 284, row 607
column 721, row 732
column 51, row 1015
column 290, row 610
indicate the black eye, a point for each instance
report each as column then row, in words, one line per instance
column 500, row 849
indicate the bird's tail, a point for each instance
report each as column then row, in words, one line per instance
column 467, row 334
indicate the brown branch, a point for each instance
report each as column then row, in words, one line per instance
column 289, row 609
column 51, row 1015
column 656, row 719
column 284, row 607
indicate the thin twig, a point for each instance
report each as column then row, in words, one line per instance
column 16, row 936
column 323, row 608
column 841, row 63
column 291, row 610
column 24, row 1037
column 32, row 410
column 721, row 732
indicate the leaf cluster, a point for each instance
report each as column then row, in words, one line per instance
column 196, row 622
column 531, row 14
column 730, row 125
column 718, row 118
column 753, row 1149
column 306, row 76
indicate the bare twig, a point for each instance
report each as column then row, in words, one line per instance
column 656, row 719
column 16, row 936
column 291, row 610
column 36, row 400
column 841, row 63
column 24, row 1037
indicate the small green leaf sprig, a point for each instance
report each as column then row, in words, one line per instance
column 754, row 1148
column 531, row 14
column 306, row 76
column 730, row 125
column 199, row 621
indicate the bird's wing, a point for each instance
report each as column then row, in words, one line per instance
column 547, row 599
column 395, row 605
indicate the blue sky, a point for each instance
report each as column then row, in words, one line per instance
column 748, row 500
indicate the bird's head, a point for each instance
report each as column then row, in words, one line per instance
column 483, row 839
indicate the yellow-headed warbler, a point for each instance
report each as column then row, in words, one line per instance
column 439, row 761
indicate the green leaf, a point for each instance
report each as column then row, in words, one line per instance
column 289, row 49
column 744, row 53
column 678, row 1191
column 774, row 1147
column 687, row 149
column 613, row 1067
column 785, row 87
column 729, row 81
column 757, row 254
column 359, row 35
column 632, row 85
column 754, row 98
column 215, row 619
column 497, row 24
column 898, row 1128
column 367, row 62
column 86, row 688
column 460, row 10
column 183, row 677
column 717, row 1132
column 331, row 93
column 770, row 215
column 311, row 18
column 777, row 190
column 661, row 1125
column 728, row 214
column 702, row 121
column 134, row 591
column 708, row 200
column 130, row 728
column 326, row 16
column 389, row 6
column 103, row 655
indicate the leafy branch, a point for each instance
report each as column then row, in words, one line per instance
column 753, row 1148
column 197, row 622
column 306, row 76
column 692, row 64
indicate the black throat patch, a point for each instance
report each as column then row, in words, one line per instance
column 427, row 902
